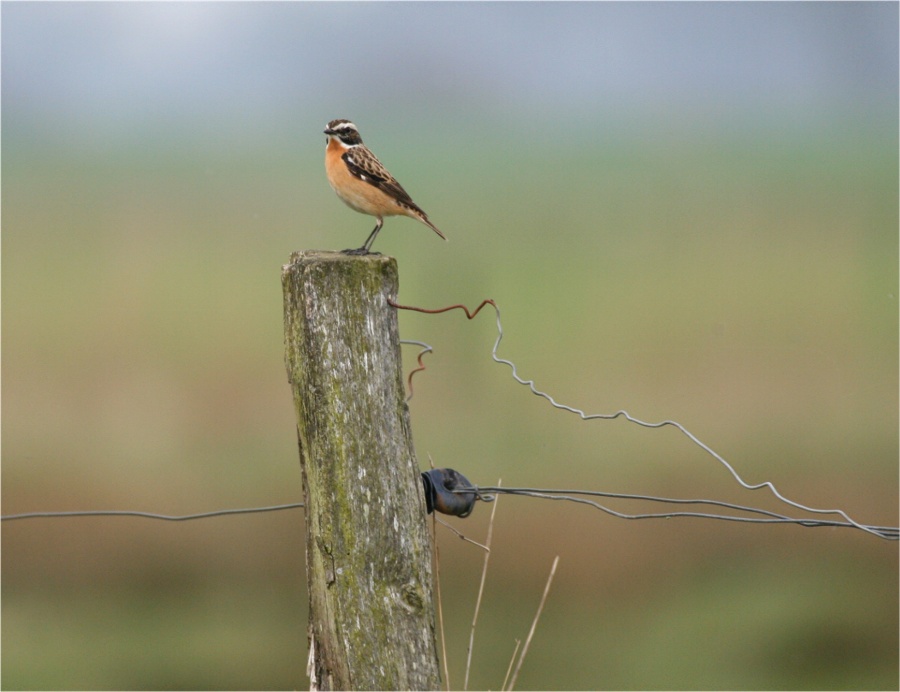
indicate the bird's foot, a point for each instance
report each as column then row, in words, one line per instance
column 359, row 251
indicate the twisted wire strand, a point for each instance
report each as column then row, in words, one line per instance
column 149, row 515
column 627, row 416
column 487, row 493
column 889, row 533
column 766, row 516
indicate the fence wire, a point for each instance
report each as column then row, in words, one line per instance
column 740, row 513
column 889, row 533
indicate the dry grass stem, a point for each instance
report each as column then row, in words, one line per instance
column 537, row 615
column 440, row 610
column 511, row 661
column 461, row 535
column 487, row 557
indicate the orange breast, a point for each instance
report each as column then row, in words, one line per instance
column 355, row 193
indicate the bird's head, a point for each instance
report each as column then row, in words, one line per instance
column 344, row 131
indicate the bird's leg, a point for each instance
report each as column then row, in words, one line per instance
column 364, row 250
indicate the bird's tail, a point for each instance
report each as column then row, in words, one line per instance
column 433, row 227
column 411, row 209
column 424, row 219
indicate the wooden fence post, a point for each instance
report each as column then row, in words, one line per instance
column 368, row 549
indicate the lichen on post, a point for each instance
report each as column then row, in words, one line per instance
column 368, row 550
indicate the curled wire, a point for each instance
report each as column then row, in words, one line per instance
column 631, row 419
column 425, row 349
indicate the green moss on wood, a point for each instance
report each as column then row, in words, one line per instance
column 368, row 548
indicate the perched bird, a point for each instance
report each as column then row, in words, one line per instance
column 363, row 183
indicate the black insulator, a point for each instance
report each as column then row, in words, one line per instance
column 439, row 486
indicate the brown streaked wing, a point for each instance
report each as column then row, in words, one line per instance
column 364, row 165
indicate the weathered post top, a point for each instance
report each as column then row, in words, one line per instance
column 368, row 549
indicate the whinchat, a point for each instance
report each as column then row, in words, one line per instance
column 363, row 183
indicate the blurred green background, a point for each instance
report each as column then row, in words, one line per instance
column 689, row 211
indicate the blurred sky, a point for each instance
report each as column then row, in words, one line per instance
column 109, row 69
